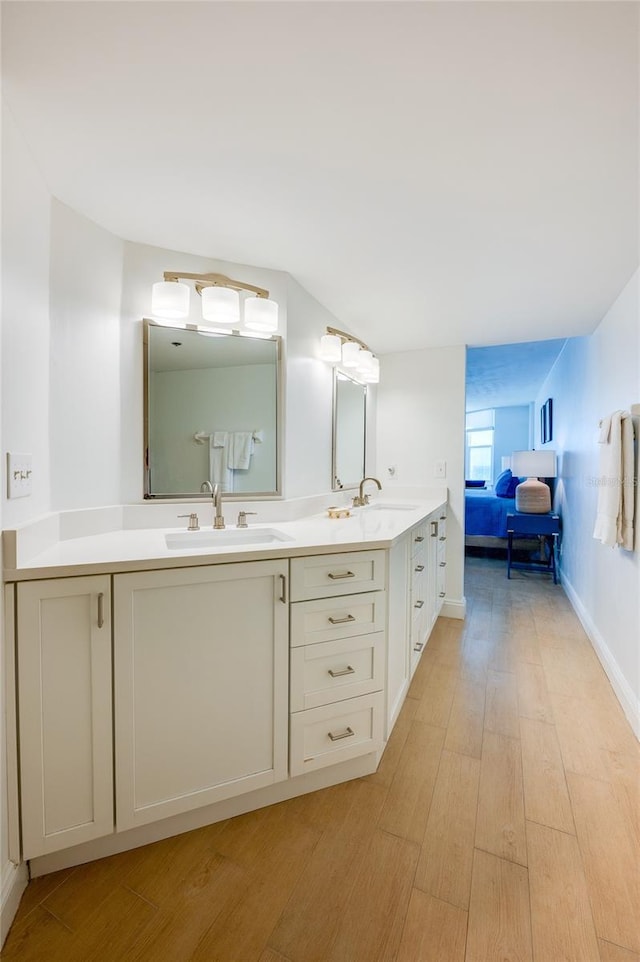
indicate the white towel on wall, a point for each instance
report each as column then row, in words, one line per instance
column 219, row 472
column 240, row 450
column 616, row 486
column 626, row 516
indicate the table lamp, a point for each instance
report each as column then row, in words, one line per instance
column 533, row 496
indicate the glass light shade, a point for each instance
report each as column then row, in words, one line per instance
column 261, row 314
column 372, row 376
column 350, row 351
column 170, row 299
column 533, row 464
column 364, row 361
column 330, row 347
column 221, row 305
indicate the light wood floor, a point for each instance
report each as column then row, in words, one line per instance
column 502, row 824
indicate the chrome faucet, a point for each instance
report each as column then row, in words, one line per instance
column 361, row 499
column 216, row 494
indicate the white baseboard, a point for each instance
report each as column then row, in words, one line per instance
column 454, row 608
column 15, row 878
column 628, row 700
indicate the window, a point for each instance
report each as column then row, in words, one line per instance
column 479, row 446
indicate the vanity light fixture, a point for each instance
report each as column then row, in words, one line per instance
column 338, row 347
column 220, row 300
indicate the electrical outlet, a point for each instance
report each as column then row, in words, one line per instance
column 19, row 475
column 440, row 469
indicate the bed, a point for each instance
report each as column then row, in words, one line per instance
column 486, row 517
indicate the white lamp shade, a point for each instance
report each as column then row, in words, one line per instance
column 350, row 352
column 170, row 299
column 261, row 314
column 533, row 464
column 364, row 362
column 330, row 347
column 373, row 374
column 221, row 305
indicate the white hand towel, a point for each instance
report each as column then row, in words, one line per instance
column 626, row 516
column 240, row 450
column 616, row 492
column 219, row 472
column 609, row 500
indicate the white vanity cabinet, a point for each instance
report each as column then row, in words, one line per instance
column 437, row 560
column 65, row 720
column 338, row 619
column 420, row 600
column 201, row 706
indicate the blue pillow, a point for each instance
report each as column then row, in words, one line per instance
column 506, row 484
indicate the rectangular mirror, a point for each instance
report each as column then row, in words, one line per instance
column 212, row 412
column 349, row 431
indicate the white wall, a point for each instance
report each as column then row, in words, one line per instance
column 26, row 208
column 24, row 427
column 85, row 294
column 592, row 377
column 309, row 392
column 511, row 433
column 421, row 420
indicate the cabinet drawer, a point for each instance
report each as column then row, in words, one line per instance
column 324, row 576
column 335, row 670
column 335, row 733
column 329, row 619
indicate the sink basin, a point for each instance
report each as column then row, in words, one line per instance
column 380, row 506
column 211, row 538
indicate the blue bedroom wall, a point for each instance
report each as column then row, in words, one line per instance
column 511, row 433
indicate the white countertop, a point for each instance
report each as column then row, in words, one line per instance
column 136, row 549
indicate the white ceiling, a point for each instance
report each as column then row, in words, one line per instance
column 509, row 373
column 432, row 172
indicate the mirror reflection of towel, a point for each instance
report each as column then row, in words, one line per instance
column 240, row 447
column 219, row 471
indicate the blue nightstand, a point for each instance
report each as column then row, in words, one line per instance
column 546, row 526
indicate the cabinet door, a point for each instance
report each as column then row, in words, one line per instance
column 441, row 564
column 398, row 652
column 201, row 669
column 64, row 672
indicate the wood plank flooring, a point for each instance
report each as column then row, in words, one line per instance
column 502, row 825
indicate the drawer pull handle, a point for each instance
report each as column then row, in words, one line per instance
column 419, row 538
column 442, row 594
column 339, row 577
column 419, row 568
column 443, row 537
column 419, row 646
column 342, row 671
column 101, row 610
column 341, row 621
column 283, row 589
column 418, row 604
column 443, row 517
column 347, row 733
column 434, row 529
column 443, row 564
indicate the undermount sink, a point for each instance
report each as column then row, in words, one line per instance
column 380, row 506
column 212, row 538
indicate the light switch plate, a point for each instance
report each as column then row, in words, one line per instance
column 441, row 469
column 19, row 475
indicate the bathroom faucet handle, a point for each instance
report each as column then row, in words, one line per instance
column 242, row 518
column 194, row 524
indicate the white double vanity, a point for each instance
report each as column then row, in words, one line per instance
column 164, row 683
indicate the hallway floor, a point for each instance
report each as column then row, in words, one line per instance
column 503, row 823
